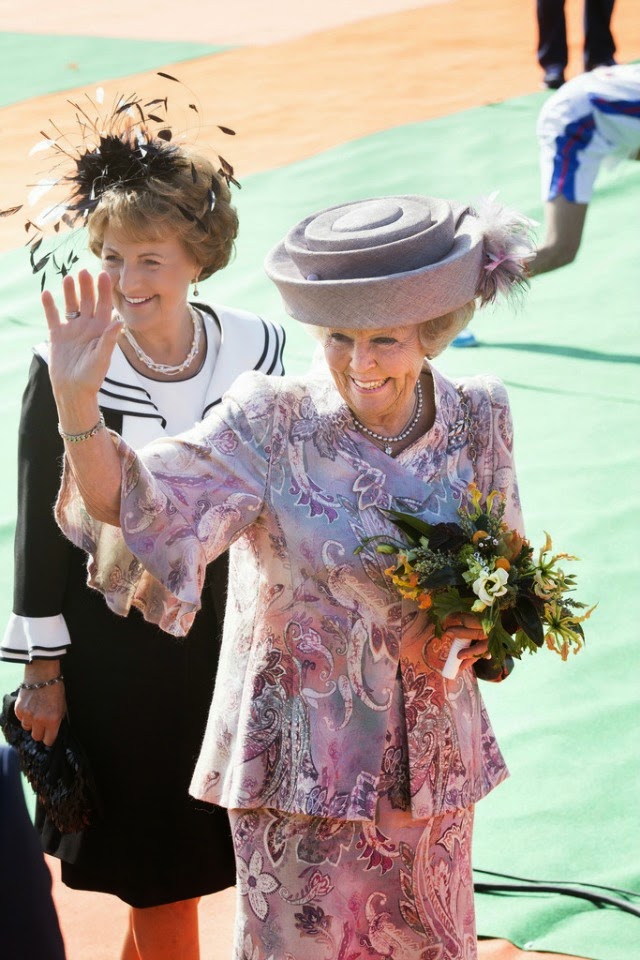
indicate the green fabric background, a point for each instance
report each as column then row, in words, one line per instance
column 33, row 65
column 569, row 356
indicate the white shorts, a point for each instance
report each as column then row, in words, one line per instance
column 591, row 117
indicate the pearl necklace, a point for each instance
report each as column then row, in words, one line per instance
column 388, row 441
column 169, row 370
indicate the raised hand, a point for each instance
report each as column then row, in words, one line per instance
column 82, row 341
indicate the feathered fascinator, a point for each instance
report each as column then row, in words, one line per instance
column 508, row 244
column 124, row 148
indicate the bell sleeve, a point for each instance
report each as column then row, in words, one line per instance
column 36, row 628
column 184, row 501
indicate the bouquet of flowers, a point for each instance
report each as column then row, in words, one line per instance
column 480, row 566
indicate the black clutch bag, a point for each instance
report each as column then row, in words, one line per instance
column 59, row 775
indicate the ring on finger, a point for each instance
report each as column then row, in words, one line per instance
column 72, row 314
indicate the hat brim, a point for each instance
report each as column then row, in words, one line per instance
column 402, row 299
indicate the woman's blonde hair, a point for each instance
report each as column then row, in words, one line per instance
column 194, row 206
column 435, row 335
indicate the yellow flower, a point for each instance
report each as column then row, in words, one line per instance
column 475, row 494
column 493, row 496
column 561, row 622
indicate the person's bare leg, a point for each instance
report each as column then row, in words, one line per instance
column 564, row 223
column 169, row 932
column 129, row 949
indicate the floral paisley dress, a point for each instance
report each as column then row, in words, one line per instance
column 349, row 766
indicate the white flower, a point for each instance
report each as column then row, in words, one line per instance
column 488, row 586
column 543, row 587
column 254, row 884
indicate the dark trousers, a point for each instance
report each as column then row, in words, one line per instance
column 598, row 41
column 29, row 928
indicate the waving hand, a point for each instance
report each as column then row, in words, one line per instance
column 83, row 340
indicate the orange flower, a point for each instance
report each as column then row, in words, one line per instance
column 424, row 601
column 479, row 535
column 512, row 543
column 503, row 564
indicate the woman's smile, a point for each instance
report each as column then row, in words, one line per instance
column 376, row 373
column 370, row 385
column 136, row 301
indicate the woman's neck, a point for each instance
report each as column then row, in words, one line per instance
column 172, row 345
column 395, row 437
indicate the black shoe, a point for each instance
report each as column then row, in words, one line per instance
column 553, row 77
column 588, row 67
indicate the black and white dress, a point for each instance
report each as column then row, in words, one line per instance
column 138, row 699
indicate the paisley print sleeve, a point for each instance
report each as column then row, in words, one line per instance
column 502, row 461
column 184, row 500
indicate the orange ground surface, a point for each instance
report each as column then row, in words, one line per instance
column 292, row 99
column 93, row 926
column 310, row 76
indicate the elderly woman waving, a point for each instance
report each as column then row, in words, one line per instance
column 350, row 766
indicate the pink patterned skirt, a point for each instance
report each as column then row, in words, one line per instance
column 310, row 888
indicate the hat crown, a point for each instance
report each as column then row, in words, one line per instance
column 378, row 213
column 378, row 262
column 366, row 224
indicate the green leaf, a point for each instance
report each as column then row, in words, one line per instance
column 527, row 618
column 409, row 524
column 446, row 576
column 501, row 643
column 446, row 602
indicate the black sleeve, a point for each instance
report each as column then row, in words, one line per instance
column 42, row 553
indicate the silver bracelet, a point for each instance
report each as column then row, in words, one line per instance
column 41, row 683
column 77, row 437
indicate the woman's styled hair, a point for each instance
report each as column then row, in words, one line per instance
column 193, row 205
column 435, row 335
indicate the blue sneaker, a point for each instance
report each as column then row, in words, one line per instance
column 465, row 339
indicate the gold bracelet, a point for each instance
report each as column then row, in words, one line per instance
column 77, row 437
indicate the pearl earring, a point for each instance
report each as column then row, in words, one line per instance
column 196, row 292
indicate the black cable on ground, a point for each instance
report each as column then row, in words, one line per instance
column 594, row 886
column 598, row 899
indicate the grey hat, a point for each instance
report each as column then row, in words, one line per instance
column 386, row 261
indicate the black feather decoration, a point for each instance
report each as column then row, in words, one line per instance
column 122, row 148
column 10, row 211
column 121, row 163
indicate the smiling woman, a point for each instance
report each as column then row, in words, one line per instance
column 160, row 218
column 149, row 281
column 380, row 374
column 350, row 764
